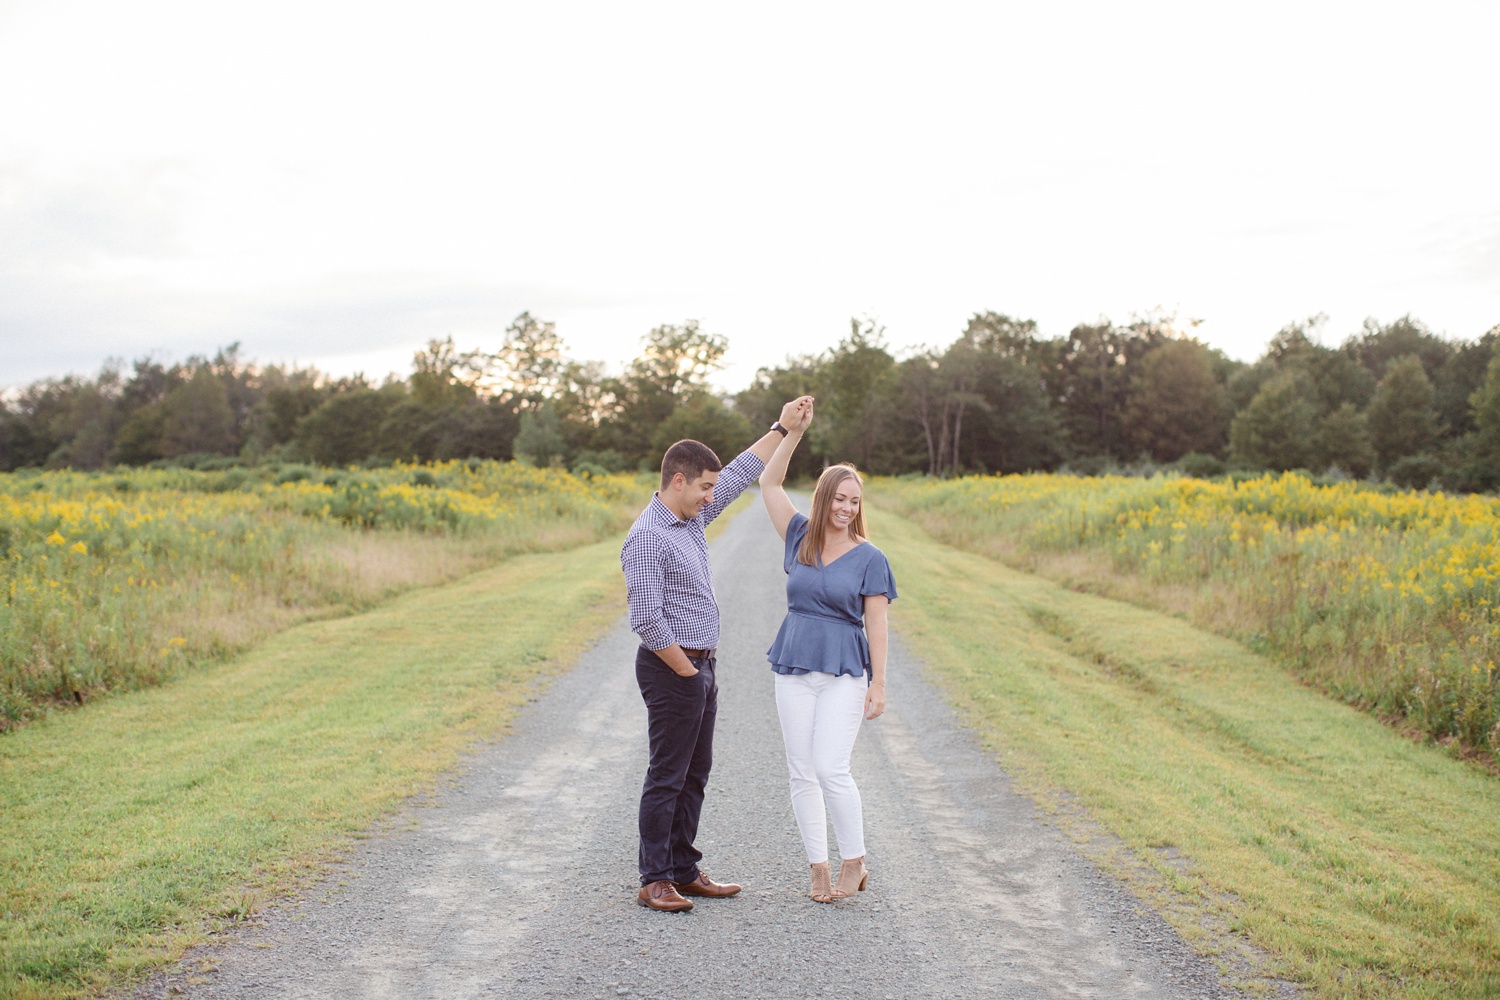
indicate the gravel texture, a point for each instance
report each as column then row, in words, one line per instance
column 517, row 878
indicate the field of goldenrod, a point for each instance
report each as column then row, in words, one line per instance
column 1388, row 600
column 115, row 580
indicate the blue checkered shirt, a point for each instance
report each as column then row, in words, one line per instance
column 667, row 580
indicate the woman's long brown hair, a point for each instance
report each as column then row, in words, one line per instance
column 810, row 552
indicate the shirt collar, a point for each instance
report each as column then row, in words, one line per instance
column 663, row 514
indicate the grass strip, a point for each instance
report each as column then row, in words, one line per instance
column 134, row 828
column 1364, row 864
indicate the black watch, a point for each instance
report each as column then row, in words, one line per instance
column 778, row 428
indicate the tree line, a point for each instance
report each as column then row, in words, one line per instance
column 1392, row 401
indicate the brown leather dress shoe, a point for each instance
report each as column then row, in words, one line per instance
column 705, row 886
column 662, row 896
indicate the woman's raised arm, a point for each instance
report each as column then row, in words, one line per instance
column 778, row 504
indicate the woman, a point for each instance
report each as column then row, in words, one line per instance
column 830, row 675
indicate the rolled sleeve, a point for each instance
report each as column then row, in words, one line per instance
column 733, row 480
column 644, row 561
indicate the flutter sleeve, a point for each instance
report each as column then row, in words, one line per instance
column 796, row 528
column 878, row 577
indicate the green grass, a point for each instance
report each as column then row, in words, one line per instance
column 134, row 827
column 1364, row 865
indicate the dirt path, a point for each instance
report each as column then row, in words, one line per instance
column 518, row 880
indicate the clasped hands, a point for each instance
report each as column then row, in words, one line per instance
column 796, row 415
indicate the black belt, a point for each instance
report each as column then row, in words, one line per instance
column 699, row 654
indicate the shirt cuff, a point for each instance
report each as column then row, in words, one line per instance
column 657, row 639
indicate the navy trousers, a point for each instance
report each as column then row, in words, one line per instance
column 680, row 714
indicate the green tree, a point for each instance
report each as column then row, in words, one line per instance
column 1377, row 346
column 705, row 418
column 83, row 421
column 1020, row 428
column 924, row 395
column 586, row 407
column 285, row 398
column 149, row 383
column 138, row 437
column 444, row 376
column 1016, row 429
column 1003, row 336
column 43, row 420
column 345, row 428
column 139, row 440
column 1483, row 442
column 1176, row 404
column 1403, row 420
column 673, row 367
column 196, row 417
column 856, row 379
column 1275, row 431
column 425, row 420
column 10, row 426
column 531, row 364
column 477, row 428
column 1294, row 339
column 1343, row 442
column 481, row 429
column 411, row 429
column 1092, row 382
column 1334, row 373
column 677, row 359
column 979, row 405
column 1465, row 371
column 539, row 440
column 88, row 448
column 240, row 385
column 1245, row 383
column 962, row 376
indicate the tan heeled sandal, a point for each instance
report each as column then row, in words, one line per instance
column 822, row 887
column 852, row 877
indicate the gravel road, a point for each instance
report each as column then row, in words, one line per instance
column 517, row 879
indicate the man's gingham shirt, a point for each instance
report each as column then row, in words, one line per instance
column 667, row 580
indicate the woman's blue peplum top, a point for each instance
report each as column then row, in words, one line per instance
column 824, row 625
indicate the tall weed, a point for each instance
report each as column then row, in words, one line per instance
column 118, row 580
column 1386, row 599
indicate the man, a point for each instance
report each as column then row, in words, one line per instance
column 673, row 610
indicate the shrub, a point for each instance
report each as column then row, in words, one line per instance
column 293, row 474
column 1200, row 466
column 1415, row 472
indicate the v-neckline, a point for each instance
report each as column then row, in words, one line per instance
column 830, row 562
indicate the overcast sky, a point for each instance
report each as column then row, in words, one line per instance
column 337, row 183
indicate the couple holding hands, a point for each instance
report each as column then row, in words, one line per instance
column 829, row 655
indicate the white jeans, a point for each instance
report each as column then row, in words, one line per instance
column 820, row 716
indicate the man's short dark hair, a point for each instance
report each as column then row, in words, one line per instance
column 689, row 457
